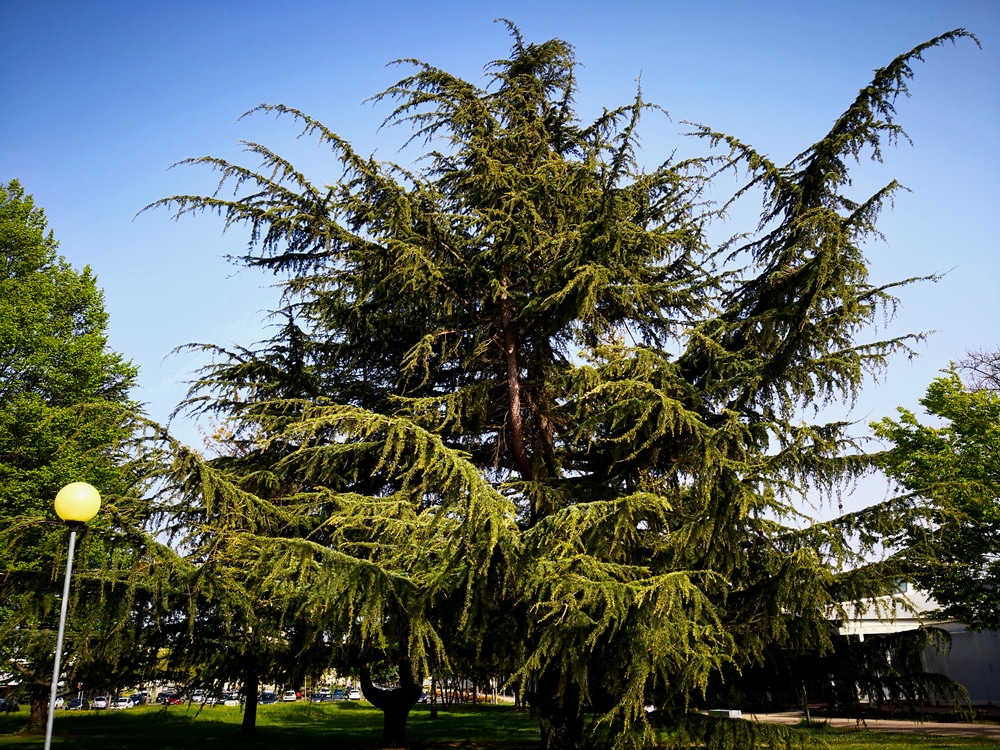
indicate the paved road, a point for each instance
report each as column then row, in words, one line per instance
column 936, row 728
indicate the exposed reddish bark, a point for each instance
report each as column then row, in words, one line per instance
column 509, row 345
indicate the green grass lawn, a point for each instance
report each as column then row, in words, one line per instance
column 861, row 739
column 298, row 725
column 344, row 725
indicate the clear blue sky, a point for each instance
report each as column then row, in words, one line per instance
column 98, row 98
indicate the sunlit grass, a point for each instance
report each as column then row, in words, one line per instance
column 860, row 739
column 349, row 726
column 300, row 725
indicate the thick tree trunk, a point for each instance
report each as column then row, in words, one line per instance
column 39, row 715
column 395, row 703
column 251, row 684
column 562, row 730
column 509, row 345
column 250, row 687
column 39, row 695
column 560, row 713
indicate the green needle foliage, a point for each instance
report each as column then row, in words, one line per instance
column 518, row 406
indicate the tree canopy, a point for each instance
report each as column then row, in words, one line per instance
column 66, row 415
column 953, row 466
column 515, row 393
column 53, row 357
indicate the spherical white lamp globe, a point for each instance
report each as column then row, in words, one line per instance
column 77, row 502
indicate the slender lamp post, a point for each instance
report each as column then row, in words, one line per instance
column 76, row 503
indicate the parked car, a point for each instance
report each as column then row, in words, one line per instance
column 100, row 702
column 353, row 694
column 170, row 699
column 198, row 696
column 322, row 695
column 78, row 704
column 138, row 699
column 121, row 702
column 289, row 696
column 338, row 695
column 267, row 698
column 9, row 705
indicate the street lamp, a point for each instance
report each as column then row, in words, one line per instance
column 76, row 503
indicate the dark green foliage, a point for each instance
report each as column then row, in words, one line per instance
column 517, row 396
column 887, row 670
column 723, row 734
column 882, row 674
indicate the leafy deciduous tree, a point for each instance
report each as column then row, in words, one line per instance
column 65, row 415
column 953, row 467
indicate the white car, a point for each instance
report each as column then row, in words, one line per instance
column 100, row 702
column 353, row 694
column 121, row 703
column 289, row 696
